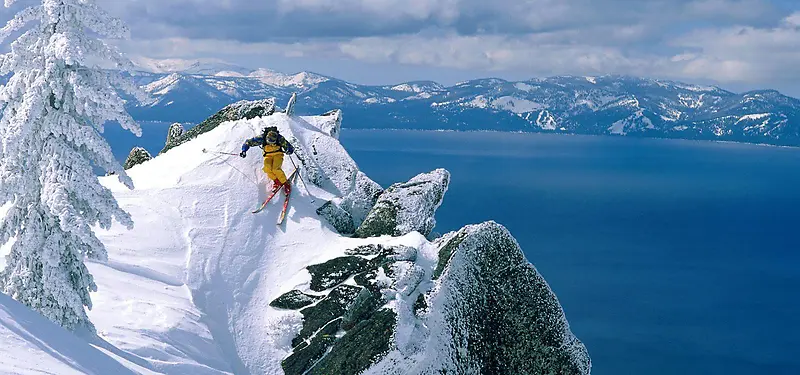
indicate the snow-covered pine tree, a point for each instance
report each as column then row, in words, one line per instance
column 54, row 107
column 138, row 155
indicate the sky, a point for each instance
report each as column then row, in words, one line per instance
column 735, row 44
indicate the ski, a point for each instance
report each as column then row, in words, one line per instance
column 282, row 216
column 271, row 195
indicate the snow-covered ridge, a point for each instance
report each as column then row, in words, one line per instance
column 581, row 105
column 755, row 116
column 301, row 80
column 190, row 289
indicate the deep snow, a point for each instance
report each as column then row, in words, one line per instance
column 187, row 290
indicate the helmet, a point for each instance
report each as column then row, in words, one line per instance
column 272, row 137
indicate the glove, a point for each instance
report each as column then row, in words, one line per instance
column 289, row 151
column 243, row 154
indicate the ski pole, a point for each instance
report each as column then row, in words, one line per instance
column 220, row 152
column 302, row 180
column 232, row 166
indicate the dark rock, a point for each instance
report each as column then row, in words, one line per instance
column 370, row 249
column 174, row 133
column 365, row 304
column 500, row 313
column 138, row 155
column 379, row 261
column 420, row 304
column 337, row 217
column 244, row 109
column 331, row 273
column 331, row 307
column 446, row 250
column 294, row 300
column 369, row 279
column 360, row 347
column 304, row 356
column 407, row 207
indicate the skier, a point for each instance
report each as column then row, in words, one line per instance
column 274, row 146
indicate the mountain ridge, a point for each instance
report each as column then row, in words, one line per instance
column 201, row 285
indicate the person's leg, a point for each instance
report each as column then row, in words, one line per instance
column 277, row 165
column 268, row 167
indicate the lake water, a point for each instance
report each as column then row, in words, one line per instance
column 669, row 257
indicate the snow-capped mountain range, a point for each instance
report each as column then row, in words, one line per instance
column 189, row 91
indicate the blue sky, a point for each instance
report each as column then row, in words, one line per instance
column 736, row 44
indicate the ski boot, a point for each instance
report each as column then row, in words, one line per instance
column 276, row 184
column 287, row 187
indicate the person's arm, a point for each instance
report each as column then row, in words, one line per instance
column 252, row 142
column 288, row 148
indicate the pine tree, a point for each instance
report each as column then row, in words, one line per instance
column 137, row 156
column 54, row 107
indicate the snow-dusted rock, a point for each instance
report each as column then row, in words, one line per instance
column 290, row 105
column 174, row 132
column 245, row 109
column 347, row 213
column 138, row 155
column 407, row 207
column 357, row 311
column 334, row 127
column 328, row 165
column 493, row 313
column 340, row 219
column 362, row 198
column 294, row 300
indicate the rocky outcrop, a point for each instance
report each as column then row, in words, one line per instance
column 328, row 165
column 333, row 127
column 407, row 207
column 350, row 329
column 335, row 271
column 494, row 313
column 348, row 212
column 361, row 199
column 294, row 300
column 290, row 105
column 174, row 133
column 340, row 219
column 138, row 155
column 244, row 109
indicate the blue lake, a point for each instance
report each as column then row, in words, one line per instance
column 669, row 257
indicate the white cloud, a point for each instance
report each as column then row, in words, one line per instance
column 744, row 53
column 722, row 40
column 740, row 54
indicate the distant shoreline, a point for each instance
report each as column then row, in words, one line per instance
column 721, row 141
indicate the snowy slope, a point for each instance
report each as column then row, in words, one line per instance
column 229, row 262
column 32, row 344
column 188, row 290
